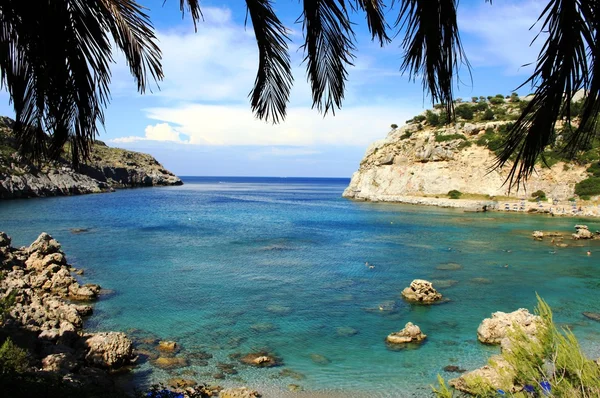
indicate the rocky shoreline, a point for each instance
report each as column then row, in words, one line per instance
column 561, row 209
column 46, row 311
column 107, row 169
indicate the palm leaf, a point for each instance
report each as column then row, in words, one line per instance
column 433, row 50
column 562, row 68
column 273, row 83
column 328, row 47
column 375, row 19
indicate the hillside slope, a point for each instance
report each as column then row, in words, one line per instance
column 108, row 168
column 425, row 158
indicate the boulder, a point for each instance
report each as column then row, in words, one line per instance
column 170, row 362
column 239, row 392
column 421, row 291
column 63, row 363
column 108, row 349
column 44, row 244
column 4, row 240
column 538, row 235
column 582, row 232
column 498, row 375
column 167, row 346
column 493, row 330
column 410, row 333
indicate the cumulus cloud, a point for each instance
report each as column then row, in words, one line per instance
column 158, row 132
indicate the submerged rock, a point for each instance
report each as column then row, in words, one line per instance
column 453, row 369
column 346, row 331
column 170, row 362
column 538, row 235
column 261, row 359
column 493, row 330
column 167, row 346
column 421, row 291
column 449, row 267
column 320, row 359
column 411, row 333
column 592, row 315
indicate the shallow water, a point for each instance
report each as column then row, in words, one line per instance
column 228, row 265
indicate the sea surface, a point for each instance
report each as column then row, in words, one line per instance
column 232, row 265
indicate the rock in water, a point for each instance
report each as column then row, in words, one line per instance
column 493, row 376
column 538, row 235
column 109, row 350
column 411, row 333
column 582, row 232
column 421, row 291
column 592, row 315
column 493, row 330
column 240, row 392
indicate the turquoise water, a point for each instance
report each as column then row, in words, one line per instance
column 203, row 263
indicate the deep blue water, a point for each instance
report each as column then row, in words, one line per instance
column 230, row 265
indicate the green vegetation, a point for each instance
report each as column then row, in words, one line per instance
column 488, row 114
column 549, row 364
column 454, row 194
column 588, row 187
column 539, row 195
column 394, row 126
column 12, row 358
column 449, row 137
column 464, row 111
column 406, row 135
column 496, row 100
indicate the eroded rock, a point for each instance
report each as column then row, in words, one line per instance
column 493, row 330
column 421, row 291
column 411, row 333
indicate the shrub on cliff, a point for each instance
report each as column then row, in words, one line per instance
column 433, row 119
column 539, row 194
column 454, row 194
column 464, row 111
column 488, row 114
column 588, row 187
column 12, row 358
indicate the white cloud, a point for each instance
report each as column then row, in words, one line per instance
column 235, row 125
column 499, row 34
column 158, row 132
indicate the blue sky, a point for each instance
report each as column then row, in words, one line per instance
column 199, row 122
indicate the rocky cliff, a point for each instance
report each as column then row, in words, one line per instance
column 107, row 169
column 423, row 159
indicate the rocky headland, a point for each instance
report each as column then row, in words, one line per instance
column 425, row 160
column 107, row 169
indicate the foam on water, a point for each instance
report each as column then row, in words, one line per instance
column 229, row 265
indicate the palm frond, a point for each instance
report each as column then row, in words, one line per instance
column 433, row 50
column 562, row 68
column 59, row 82
column 273, row 83
column 375, row 19
column 328, row 47
column 193, row 7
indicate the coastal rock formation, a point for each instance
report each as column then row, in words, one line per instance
column 421, row 291
column 499, row 375
column 410, row 333
column 260, row 359
column 493, row 330
column 583, row 232
column 110, row 350
column 38, row 279
column 538, row 235
column 108, row 168
column 420, row 161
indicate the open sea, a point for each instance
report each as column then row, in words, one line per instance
column 231, row 265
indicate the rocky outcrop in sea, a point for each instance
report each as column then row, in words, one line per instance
column 107, row 169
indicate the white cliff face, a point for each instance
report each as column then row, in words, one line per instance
column 409, row 162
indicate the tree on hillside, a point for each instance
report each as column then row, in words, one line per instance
column 56, row 55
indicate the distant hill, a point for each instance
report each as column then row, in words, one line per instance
column 426, row 157
column 108, row 168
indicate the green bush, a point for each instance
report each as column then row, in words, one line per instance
column 464, row 144
column 12, row 358
column 514, row 97
column 433, row 119
column 454, row 194
column 406, row 135
column 588, row 187
column 496, row 100
column 419, row 118
column 488, row 114
column 449, row 137
column 539, row 194
column 465, row 111
column 594, row 169
column 474, row 99
column 395, row 126
column 480, row 106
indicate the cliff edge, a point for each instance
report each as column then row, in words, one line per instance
column 108, row 168
column 426, row 158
